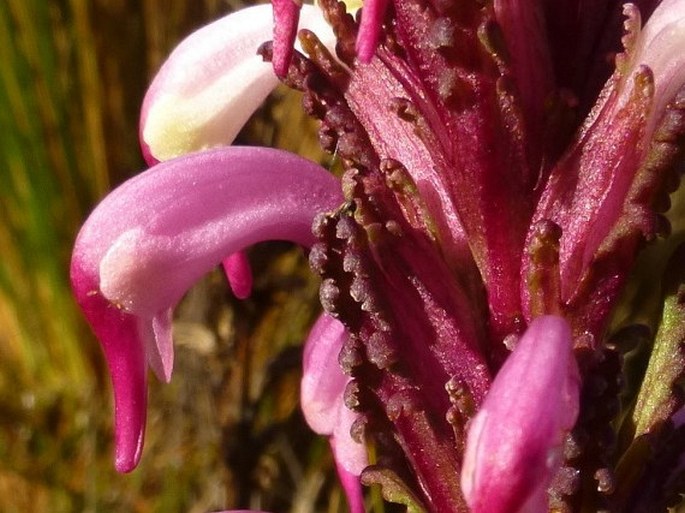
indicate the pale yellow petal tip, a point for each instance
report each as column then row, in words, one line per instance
column 177, row 127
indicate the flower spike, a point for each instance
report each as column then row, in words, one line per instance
column 513, row 445
column 158, row 233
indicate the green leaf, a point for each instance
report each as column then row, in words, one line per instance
column 657, row 399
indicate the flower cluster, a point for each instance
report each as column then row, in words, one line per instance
column 504, row 163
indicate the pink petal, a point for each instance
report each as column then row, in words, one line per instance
column 208, row 87
column 154, row 236
column 370, row 28
column 171, row 228
column 352, row 487
column 322, row 393
column 239, row 274
column 513, row 443
column 286, row 17
column 323, row 381
column 348, row 453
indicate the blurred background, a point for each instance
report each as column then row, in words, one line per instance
column 227, row 431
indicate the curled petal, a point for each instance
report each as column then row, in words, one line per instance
column 212, row 83
column 166, row 228
column 158, row 233
column 513, row 444
column 208, row 87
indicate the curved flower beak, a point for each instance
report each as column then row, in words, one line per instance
column 513, row 447
column 322, row 398
column 158, row 233
column 213, row 82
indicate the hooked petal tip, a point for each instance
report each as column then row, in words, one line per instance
column 119, row 337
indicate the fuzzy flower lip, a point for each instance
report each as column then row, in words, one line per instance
column 158, row 233
column 513, row 442
column 213, row 82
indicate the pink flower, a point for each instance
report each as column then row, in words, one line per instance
column 158, row 233
column 514, row 442
column 500, row 177
column 322, row 394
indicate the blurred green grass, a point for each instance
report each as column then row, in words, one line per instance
column 227, row 431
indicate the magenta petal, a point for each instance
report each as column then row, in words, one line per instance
column 161, row 231
column 154, row 236
column 239, row 274
column 513, row 444
column 125, row 355
column 352, row 487
column 370, row 28
column 286, row 17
